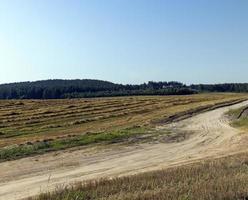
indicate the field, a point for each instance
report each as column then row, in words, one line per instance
column 40, row 126
column 30, row 120
column 48, row 143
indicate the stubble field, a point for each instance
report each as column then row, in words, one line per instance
column 30, row 127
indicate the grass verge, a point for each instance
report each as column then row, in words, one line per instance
column 239, row 118
column 24, row 150
column 225, row 178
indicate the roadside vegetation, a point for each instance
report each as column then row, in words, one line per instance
column 223, row 178
column 239, row 118
column 40, row 147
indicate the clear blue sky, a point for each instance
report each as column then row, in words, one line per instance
column 124, row 41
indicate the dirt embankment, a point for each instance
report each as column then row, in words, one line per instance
column 190, row 113
column 208, row 135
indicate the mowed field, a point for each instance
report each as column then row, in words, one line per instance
column 46, row 144
column 24, row 121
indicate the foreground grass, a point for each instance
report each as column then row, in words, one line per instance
column 225, row 178
column 40, row 147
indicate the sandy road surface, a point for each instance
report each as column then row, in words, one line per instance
column 209, row 135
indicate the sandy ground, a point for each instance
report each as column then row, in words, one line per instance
column 208, row 135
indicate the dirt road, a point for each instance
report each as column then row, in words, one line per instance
column 208, row 135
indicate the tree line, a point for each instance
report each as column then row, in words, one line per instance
column 56, row 89
column 226, row 87
column 59, row 89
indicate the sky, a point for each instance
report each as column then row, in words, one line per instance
column 124, row 41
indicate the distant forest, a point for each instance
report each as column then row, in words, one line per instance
column 59, row 89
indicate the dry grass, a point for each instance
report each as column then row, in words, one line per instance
column 225, row 178
column 32, row 120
